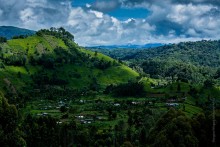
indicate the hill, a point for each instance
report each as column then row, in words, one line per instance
column 50, row 61
column 67, row 95
column 10, row 31
column 189, row 61
column 201, row 53
column 128, row 46
column 122, row 51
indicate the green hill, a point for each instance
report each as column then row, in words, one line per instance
column 10, row 31
column 188, row 61
column 50, row 61
column 200, row 53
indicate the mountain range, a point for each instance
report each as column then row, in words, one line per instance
column 10, row 31
column 127, row 46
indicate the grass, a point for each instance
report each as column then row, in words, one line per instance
column 117, row 74
column 192, row 110
column 36, row 45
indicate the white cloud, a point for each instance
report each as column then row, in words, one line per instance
column 170, row 21
column 1, row 12
column 88, row 5
column 93, row 28
column 97, row 13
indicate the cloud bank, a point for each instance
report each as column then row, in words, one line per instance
column 169, row 21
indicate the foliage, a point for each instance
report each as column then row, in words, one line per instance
column 3, row 39
column 20, row 37
column 176, row 129
column 188, row 61
column 10, row 135
column 59, row 33
column 127, row 89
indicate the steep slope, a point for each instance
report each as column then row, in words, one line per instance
column 10, row 31
column 45, row 62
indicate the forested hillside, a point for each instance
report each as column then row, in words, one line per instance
column 200, row 53
column 188, row 61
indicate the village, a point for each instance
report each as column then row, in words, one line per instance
column 90, row 110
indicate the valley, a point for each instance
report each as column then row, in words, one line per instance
column 62, row 94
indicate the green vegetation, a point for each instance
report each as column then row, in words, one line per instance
column 66, row 95
column 188, row 61
column 10, row 133
column 54, row 60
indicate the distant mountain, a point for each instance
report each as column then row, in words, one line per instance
column 10, row 31
column 128, row 46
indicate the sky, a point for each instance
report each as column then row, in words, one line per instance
column 118, row 22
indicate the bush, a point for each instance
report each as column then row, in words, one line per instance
column 128, row 89
column 63, row 109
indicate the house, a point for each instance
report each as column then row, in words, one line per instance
column 172, row 104
column 117, row 104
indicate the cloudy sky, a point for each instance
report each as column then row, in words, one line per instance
column 110, row 22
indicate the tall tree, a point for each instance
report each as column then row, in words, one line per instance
column 10, row 135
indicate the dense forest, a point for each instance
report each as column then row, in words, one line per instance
column 55, row 93
column 189, row 61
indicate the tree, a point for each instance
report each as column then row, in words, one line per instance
column 127, row 144
column 217, row 74
column 3, row 39
column 178, row 87
column 143, row 136
column 10, row 135
column 208, row 83
column 173, row 129
column 63, row 109
column 96, row 53
column 129, row 89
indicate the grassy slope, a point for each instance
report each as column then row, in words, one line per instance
column 46, row 44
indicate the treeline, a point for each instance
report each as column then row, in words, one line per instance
column 202, row 53
column 188, row 61
column 57, row 32
column 131, row 88
column 20, row 36
column 176, row 129
column 185, row 72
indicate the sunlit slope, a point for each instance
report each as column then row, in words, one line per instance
column 25, row 63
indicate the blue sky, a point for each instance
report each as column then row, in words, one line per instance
column 121, row 13
column 117, row 22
